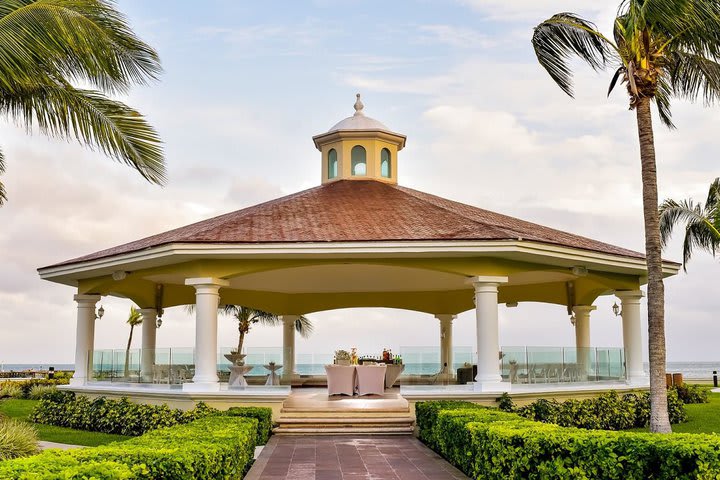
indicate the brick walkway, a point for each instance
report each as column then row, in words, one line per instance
column 350, row 458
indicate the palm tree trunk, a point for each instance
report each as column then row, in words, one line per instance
column 127, row 352
column 659, row 419
column 240, row 340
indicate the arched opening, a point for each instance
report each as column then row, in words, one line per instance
column 359, row 161
column 385, row 166
column 332, row 163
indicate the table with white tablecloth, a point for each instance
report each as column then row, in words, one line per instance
column 361, row 379
column 370, row 379
column 340, row 379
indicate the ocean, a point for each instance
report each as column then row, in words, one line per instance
column 690, row 370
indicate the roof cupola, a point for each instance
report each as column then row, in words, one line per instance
column 359, row 148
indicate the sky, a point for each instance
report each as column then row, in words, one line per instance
column 245, row 87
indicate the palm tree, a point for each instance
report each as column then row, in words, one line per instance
column 48, row 48
column 247, row 317
column 702, row 222
column 135, row 318
column 660, row 49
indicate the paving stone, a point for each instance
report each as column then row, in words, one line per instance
column 350, row 458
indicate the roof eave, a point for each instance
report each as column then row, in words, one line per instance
column 70, row 273
column 324, row 138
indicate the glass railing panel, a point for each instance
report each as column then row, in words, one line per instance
column 312, row 363
column 258, row 357
column 421, row 360
column 544, row 364
column 462, row 355
column 513, row 364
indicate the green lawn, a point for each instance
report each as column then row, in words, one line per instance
column 20, row 409
column 702, row 417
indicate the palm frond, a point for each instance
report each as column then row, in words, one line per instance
column 79, row 40
column 264, row 318
column 663, row 93
column 700, row 230
column 3, row 194
column 112, row 127
column 304, row 326
column 563, row 36
column 135, row 317
column 713, row 198
column 692, row 75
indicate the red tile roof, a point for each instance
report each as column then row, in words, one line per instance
column 360, row 211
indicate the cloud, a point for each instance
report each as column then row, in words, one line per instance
column 454, row 36
column 537, row 10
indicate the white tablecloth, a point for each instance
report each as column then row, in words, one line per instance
column 392, row 373
column 370, row 379
column 340, row 379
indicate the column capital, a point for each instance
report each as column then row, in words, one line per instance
column 583, row 309
column 86, row 299
column 482, row 283
column 630, row 296
column 147, row 312
column 206, row 282
column 445, row 316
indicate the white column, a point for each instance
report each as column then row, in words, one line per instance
column 207, row 299
column 446, row 344
column 632, row 336
column 488, row 377
column 84, row 337
column 288, row 371
column 147, row 354
column 582, row 337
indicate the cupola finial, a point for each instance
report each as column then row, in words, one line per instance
column 358, row 105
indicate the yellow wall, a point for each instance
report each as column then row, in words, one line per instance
column 373, row 147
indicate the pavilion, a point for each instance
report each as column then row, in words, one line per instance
column 358, row 240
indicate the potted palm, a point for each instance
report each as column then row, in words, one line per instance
column 247, row 317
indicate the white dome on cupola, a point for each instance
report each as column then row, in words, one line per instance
column 359, row 148
column 359, row 121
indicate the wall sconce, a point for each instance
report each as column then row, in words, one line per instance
column 158, row 322
column 579, row 271
column 100, row 313
column 118, row 275
column 572, row 320
column 616, row 309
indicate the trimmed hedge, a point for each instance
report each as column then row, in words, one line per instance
column 263, row 416
column 217, row 447
column 56, row 464
column 65, row 409
column 691, row 393
column 25, row 386
column 609, row 411
column 488, row 443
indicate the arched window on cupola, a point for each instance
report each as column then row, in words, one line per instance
column 332, row 163
column 385, row 165
column 358, row 158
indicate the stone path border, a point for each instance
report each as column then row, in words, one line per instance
column 350, row 458
column 62, row 446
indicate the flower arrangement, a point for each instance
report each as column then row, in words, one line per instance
column 342, row 355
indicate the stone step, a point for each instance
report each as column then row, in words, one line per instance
column 309, row 412
column 346, row 430
column 283, row 421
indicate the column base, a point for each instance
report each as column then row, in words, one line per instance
column 491, row 387
column 77, row 381
column 638, row 380
column 201, row 387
